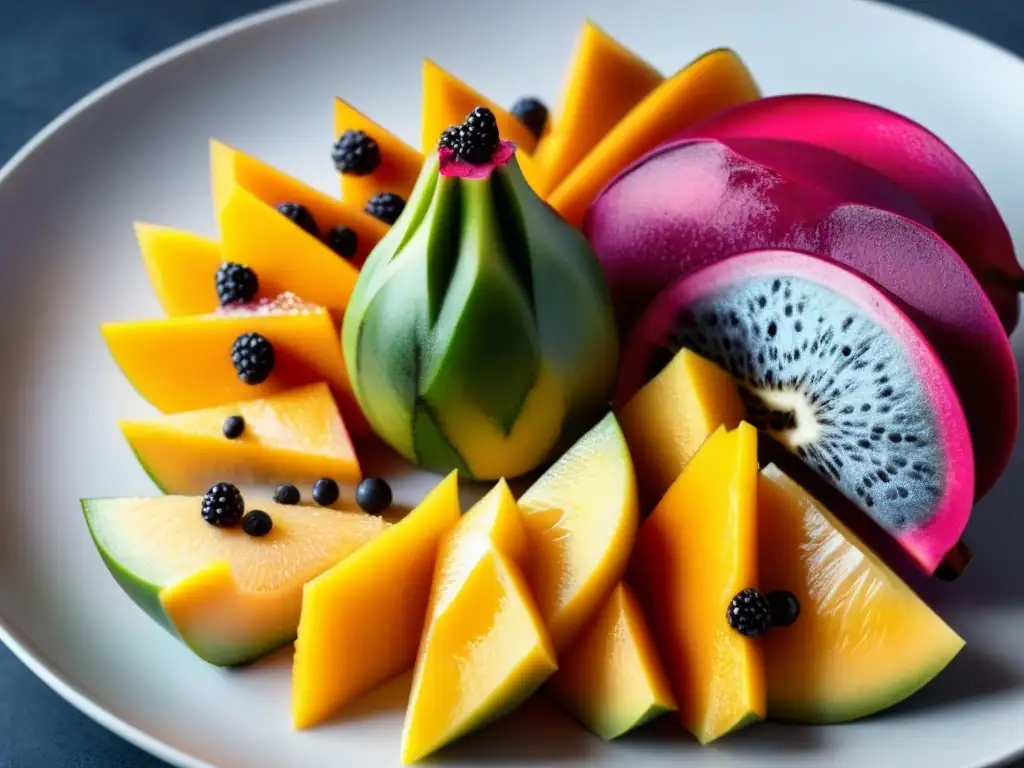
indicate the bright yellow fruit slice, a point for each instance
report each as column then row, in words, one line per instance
column 181, row 267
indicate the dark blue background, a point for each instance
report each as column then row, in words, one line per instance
column 52, row 52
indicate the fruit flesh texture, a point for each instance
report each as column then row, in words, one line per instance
column 667, row 421
column 581, row 520
column 296, row 437
column 399, row 163
column 181, row 267
column 605, row 81
column 909, row 155
column 228, row 596
column 695, row 202
column 485, row 648
column 863, row 641
column 867, row 396
column 695, row 552
column 362, row 620
column 611, row 679
column 717, row 80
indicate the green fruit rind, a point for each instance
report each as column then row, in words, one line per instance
column 612, row 727
column 433, row 450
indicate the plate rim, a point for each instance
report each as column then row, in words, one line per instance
column 20, row 646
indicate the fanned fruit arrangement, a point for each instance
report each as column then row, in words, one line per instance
column 787, row 284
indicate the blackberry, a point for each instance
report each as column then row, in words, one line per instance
column 233, row 427
column 253, row 357
column 286, row 494
column 749, row 613
column 223, row 505
column 386, row 206
column 373, row 495
column 532, row 113
column 236, row 283
column 343, row 241
column 355, row 153
column 325, row 492
column 478, row 136
column 257, row 523
column 300, row 216
column 451, row 138
column 784, row 607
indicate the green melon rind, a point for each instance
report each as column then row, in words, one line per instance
column 433, row 449
column 615, row 726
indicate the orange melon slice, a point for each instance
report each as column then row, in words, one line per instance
column 181, row 267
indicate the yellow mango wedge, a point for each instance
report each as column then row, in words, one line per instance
column 362, row 620
column 485, row 649
column 611, row 679
column 181, row 267
column 695, row 552
column 717, row 80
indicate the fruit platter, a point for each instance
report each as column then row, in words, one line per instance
column 663, row 405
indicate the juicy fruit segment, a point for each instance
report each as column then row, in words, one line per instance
column 581, row 519
column 837, row 374
column 863, row 641
column 606, row 80
column 717, row 80
column 667, row 421
column 184, row 363
column 693, row 554
column 485, row 648
column 612, row 679
column 362, row 620
column 230, row 597
column 399, row 163
column 296, row 436
column 181, row 267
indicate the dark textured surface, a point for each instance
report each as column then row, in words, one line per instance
column 52, row 52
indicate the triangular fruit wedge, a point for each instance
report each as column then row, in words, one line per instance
column 295, row 437
column 485, row 649
column 581, row 519
column 611, row 679
column 399, row 163
column 228, row 596
column 715, row 81
column 695, row 552
column 180, row 266
column 863, row 640
column 362, row 621
column 606, row 80
column 671, row 417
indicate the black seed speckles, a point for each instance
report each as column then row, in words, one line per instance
column 257, row 523
column 287, row 494
column 532, row 113
column 325, row 491
column 233, row 427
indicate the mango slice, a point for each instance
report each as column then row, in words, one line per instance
column 611, row 679
column 362, row 621
column 715, row 81
column 667, row 421
column 695, row 552
column 181, row 267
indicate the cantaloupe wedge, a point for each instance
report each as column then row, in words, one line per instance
column 715, row 81
column 605, row 81
column 671, row 417
column 181, row 267
column 296, row 437
column 362, row 621
column 399, row 163
column 695, row 552
column 228, row 596
column 581, row 519
column 485, row 648
column 611, row 679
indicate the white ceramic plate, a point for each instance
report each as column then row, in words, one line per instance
column 137, row 149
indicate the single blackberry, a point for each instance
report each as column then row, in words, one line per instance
column 253, row 357
column 386, row 206
column 478, row 136
column 223, row 505
column 532, row 113
column 343, row 241
column 784, row 607
column 257, row 523
column 300, row 216
column 325, row 492
column 286, row 494
column 749, row 613
column 451, row 138
column 355, row 153
column 236, row 283
column 374, row 495
column 233, row 427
